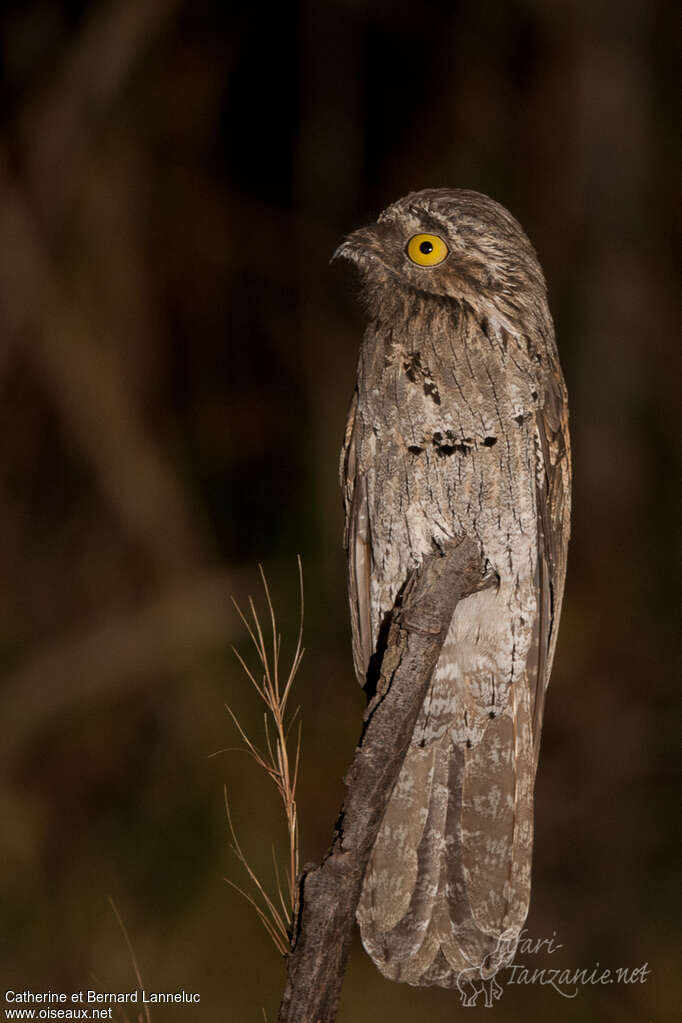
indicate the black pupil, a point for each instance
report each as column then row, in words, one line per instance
column 426, row 247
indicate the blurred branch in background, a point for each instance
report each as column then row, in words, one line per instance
column 75, row 357
column 88, row 386
column 61, row 128
column 139, row 647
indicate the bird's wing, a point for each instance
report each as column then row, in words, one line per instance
column 553, row 504
column 358, row 547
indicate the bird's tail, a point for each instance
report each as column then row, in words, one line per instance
column 447, row 888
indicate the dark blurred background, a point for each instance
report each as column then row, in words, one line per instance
column 177, row 358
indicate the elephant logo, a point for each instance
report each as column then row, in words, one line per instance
column 480, row 979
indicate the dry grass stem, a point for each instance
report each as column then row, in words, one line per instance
column 279, row 757
column 144, row 1016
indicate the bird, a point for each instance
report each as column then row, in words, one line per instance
column 458, row 427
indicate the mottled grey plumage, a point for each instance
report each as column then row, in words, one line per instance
column 458, row 426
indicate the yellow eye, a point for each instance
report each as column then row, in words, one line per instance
column 426, row 249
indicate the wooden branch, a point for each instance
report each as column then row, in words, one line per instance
column 328, row 894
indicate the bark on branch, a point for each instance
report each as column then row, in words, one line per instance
column 328, row 894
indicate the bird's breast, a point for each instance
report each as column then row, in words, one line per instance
column 447, row 446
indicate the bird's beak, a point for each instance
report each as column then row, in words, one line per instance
column 357, row 246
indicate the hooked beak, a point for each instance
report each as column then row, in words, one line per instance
column 357, row 247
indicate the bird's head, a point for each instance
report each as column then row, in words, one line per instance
column 452, row 243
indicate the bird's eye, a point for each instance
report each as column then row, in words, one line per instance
column 426, row 249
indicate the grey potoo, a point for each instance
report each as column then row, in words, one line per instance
column 458, row 426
